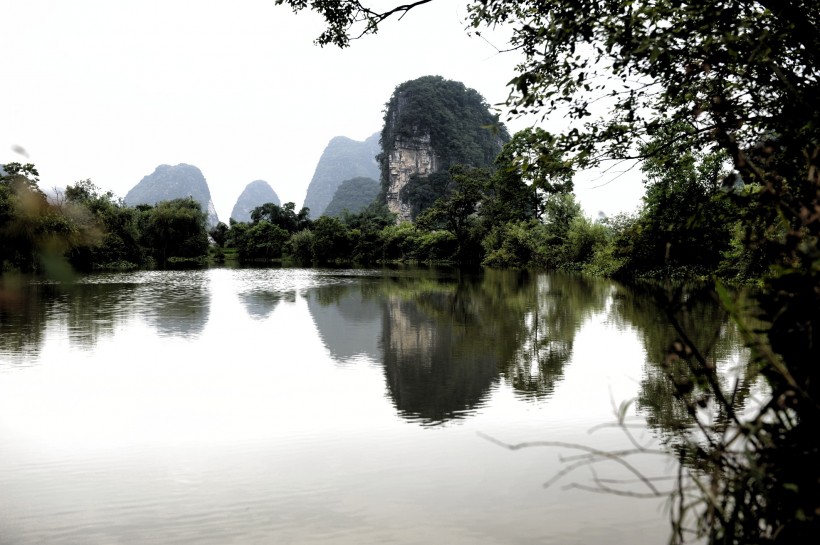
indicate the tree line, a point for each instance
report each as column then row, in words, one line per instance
column 522, row 213
column 519, row 213
column 84, row 228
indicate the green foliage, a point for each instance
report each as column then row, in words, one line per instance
column 284, row 216
column 35, row 234
column 112, row 233
column 514, row 244
column 457, row 212
column 399, row 242
column 87, row 229
column 422, row 191
column 301, row 246
column 456, row 119
column 262, row 241
column 365, row 231
column 583, row 240
column 436, row 246
column 532, row 155
column 174, row 228
column 331, row 240
column 353, row 196
column 509, row 197
column 22, row 210
column 220, row 234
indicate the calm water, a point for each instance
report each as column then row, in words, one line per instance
column 305, row 406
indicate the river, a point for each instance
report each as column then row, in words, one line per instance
column 331, row 406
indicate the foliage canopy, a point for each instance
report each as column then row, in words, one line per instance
column 743, row 77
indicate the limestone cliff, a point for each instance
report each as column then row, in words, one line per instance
column 410, row 156
column 174, row 182
column 430, row 124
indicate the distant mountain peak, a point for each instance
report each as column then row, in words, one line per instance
column 343, row 159
column 255, row 194
column 174, row 182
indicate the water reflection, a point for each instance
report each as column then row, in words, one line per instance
column 260, row 304
column 24, row 310
column 172, row 303
column 178, row 305
column 445, row 339
column 702, row 324
column 246, row 440
column 91, row 310
column 348, row 318
column 554, row 309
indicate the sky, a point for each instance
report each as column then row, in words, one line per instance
column 107, row 91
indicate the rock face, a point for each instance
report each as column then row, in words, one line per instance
column 174, row 182
column 430, row 124
column 353, row 195
column 255, row 194
column 342, row 160
column 410, row 156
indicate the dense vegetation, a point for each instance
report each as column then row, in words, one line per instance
column 522, row 213
column 353, row 195
column 699, row 80
column 85, row 229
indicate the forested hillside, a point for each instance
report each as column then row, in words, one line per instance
column 353, row 196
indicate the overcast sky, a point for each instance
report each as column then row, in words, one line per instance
column 110, row 90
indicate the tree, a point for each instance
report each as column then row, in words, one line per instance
column 365, row 229
column 22, row 205
column 687, row 219
column 457, row 212
column 262, row 240
column 744, row 75
column 331, row 240
column 111, row 230
column 220, row 234
column 175, row 228
column 284, row 216
column 34, row 234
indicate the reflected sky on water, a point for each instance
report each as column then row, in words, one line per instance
column 320, row 406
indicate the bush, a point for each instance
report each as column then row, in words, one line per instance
column 436, row 246
column 301, row 246
column 399, row 242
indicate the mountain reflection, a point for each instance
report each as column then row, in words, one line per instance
column 444, row 340
column 348, row 318
column 260, row 304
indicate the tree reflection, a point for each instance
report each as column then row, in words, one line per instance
column 556, row 307
column 85, row 311
column 23, row 316
column 177, row 306
column 91, row 310
column 668, row 390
